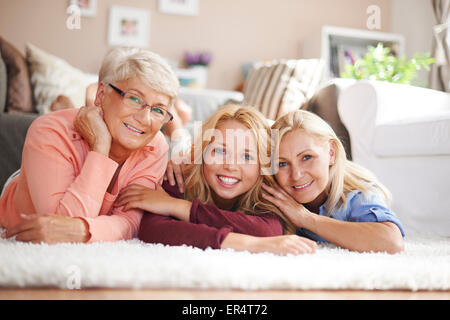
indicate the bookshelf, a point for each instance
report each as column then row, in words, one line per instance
column 339, row 46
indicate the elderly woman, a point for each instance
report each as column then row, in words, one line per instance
column 76, row 161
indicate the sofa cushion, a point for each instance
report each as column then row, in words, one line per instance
column 324, row 103
column 424, row 136
column 275, row 96
column 279, row 86
column 52, row 76
column 250, row 86
column 13, row 130
column 293, row 98
column 3, row 85
column 265, row 76
column 19, row 96
column 268, row 101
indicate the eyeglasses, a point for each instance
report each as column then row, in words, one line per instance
column 135, row 102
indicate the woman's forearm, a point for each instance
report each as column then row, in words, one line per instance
column 357, row 236
column 280, row 245
column 49, row 228
column 181, row 209
column 169, row 231
column 239, row 242
column 263, row 225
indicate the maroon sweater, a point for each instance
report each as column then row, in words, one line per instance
column 207, row 227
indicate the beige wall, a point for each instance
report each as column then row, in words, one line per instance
column 235, row 31
column 416, row 27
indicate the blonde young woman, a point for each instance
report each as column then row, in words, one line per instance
column 327, row 197
column 222, row 205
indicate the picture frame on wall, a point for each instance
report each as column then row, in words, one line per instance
column 129, row 26
column 181, row 7
column 88, row 8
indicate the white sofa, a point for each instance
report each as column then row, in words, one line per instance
column 205, row 102
column 402, row 134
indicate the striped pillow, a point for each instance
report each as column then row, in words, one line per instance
column 280, row 86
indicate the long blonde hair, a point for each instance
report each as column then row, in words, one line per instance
column 250, row 202
column 345, row 175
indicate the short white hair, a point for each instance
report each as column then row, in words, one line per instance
column 126, row 63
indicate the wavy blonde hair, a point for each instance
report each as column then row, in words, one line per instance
column 250, row 202
column 345, row 175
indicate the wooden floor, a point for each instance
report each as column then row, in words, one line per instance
column 188, row 294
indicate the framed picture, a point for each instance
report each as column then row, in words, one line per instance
column 88, row 8
column 128, row 27
column 183, row 7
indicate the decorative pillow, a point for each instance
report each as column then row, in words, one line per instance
column 303, row 84
column 265, row 77
column 309, row 73
column 268, row 101
column 3, row 85
column 250, row 83
column 280, row 86
column 279, row 91
column 52, row 76
column 293, row 98
column 19, row 96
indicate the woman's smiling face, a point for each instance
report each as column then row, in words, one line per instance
column 130, row 129
column 231, row 166
column 303, row 167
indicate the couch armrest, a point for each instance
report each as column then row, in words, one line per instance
column 394, row 101
column 366, row 105
column 421, row 136
column 13, row 130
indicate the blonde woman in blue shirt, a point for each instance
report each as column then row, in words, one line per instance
column 326, row 196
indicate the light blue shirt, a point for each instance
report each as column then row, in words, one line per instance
column 360, row 208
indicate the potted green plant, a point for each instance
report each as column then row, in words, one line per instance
column 380, row 64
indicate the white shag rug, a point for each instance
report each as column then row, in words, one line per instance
column 424, row 265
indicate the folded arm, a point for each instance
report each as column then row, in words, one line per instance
column 357, row 236
column 169, row 231
column 166, row 201
column 58, row 181
column 264, row 225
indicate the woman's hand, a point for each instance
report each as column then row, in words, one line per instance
column 286, row 244
column 91, row 126
column 280, row 245
column 293, row 210
column 49, row 229
column 156, row 201
column 174, row 173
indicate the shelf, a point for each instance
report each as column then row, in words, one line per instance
column 339, row 46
